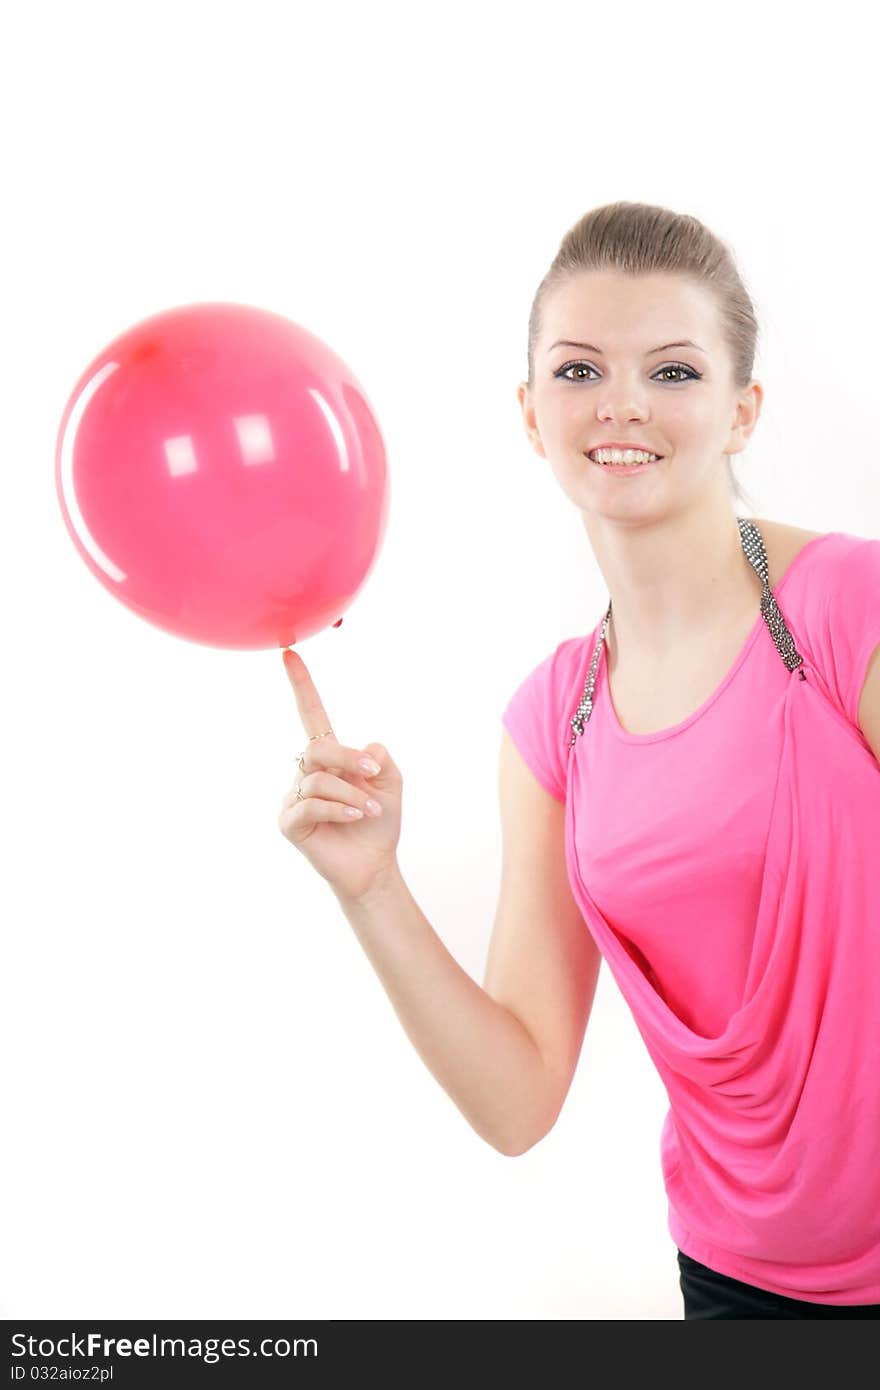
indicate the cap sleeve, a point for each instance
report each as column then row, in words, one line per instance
column 538, row 713
column 850, row 628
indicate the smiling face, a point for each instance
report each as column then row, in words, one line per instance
column 680, row 402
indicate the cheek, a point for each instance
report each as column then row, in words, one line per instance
column 683, row 414
column 695, row 416
column 571, row 471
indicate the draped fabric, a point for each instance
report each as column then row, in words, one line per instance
column 728, row 869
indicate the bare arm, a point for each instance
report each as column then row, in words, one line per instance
column 481, row 1054
column 505, row 1052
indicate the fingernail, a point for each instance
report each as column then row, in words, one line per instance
column 369, row 765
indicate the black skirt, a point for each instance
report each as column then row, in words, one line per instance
column 708, row 1294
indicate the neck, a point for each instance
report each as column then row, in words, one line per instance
column 672, row 581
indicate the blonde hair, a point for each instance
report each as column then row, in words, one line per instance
column 640, row 239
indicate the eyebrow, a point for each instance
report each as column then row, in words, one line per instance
column 588, row 347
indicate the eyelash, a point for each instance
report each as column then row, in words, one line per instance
column 670, row 366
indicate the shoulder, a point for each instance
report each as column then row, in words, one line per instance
column 834, row 601
column 536, row 715
column 783, row 544
column 845, row 564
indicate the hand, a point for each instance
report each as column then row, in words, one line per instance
column 351, row 853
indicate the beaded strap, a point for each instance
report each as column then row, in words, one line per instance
column 755, row 553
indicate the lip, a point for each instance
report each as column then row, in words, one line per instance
column 620, row 469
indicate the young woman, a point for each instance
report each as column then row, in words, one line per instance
column 691, row 792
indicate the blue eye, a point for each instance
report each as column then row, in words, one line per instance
column 670, row 367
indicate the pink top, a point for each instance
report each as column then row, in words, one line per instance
column 728, row 870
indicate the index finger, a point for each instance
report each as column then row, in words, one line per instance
column 311, row 711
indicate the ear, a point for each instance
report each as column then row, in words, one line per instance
column 528, row 413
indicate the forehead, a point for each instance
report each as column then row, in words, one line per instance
column 613, row 309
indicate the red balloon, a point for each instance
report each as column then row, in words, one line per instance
column 221, row 472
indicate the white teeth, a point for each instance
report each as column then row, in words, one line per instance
column 623, row 456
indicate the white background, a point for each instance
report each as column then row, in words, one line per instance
column 211, row 1109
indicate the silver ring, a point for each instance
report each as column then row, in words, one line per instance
column 299, row 796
